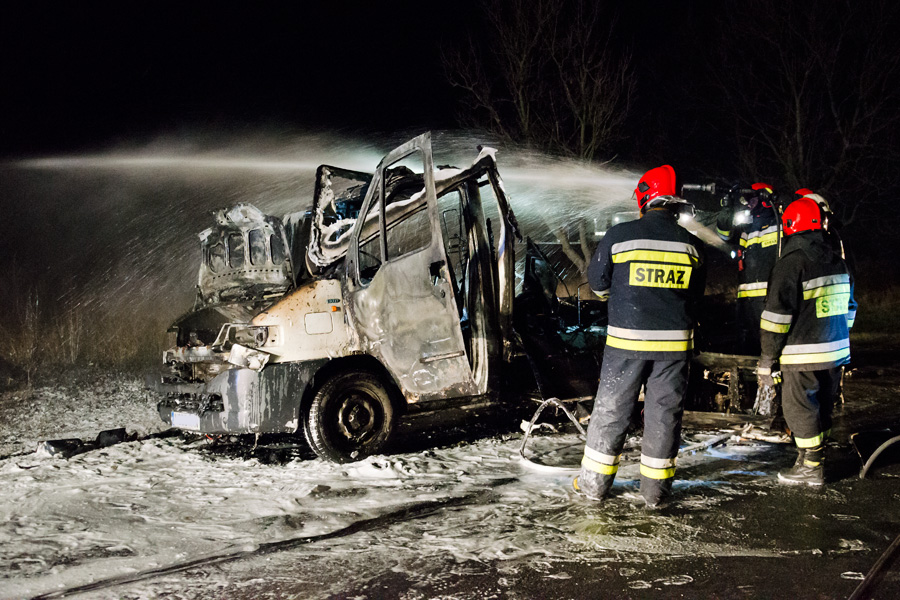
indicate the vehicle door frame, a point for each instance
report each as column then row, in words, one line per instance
column 406, row 316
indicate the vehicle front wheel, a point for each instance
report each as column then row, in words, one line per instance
column 350, row 417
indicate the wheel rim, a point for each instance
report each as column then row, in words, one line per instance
column 357, row 418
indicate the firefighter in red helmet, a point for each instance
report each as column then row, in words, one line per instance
column 750, row 220
column 805, row 329
column 652, row 273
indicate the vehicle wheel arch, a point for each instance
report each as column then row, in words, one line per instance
column 347, row 363
column 324, row 436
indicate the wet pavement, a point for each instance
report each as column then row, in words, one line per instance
column 733, row 532
column 453, row 513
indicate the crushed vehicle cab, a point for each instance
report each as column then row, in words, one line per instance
column 395, row 294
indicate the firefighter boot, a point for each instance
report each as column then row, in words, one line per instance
column 593, row 486
column 808, row 470
column 657, row 493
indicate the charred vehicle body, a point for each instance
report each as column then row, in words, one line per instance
column 393, row 295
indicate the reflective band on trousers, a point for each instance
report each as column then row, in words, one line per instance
column 657, row 473
column 602, row 294
column 807, row 354
column 604, row 464
column 650, row 340
column 657, row 468
column 609, row 459
column 751, row 290
column 810, row 442
column 593, row 465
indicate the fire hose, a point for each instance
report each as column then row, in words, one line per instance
column 582, row 434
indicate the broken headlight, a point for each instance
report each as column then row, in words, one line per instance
column 246, row 335
column 252, row 337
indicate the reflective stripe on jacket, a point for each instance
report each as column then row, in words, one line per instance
column 653, row 274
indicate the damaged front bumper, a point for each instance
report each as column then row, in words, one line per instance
column 237, row 400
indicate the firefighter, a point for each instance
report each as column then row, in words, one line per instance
column 652, row 273
column 750, row 219
column 805, row 329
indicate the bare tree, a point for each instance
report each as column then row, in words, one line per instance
column 21, row 339
column 502, row 75
column 813, row 92
column 595, row 81
column 579, row 255
column 546, row 74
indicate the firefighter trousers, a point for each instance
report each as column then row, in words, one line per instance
column 665, row 384
column 808, row 399
column 749, row 314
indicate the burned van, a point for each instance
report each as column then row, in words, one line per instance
column 393, row 294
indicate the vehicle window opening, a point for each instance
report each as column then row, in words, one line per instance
column 235, row 250
column 409, row 235
column 402, row 184
column 257, row 247
column 217, row 257
column 369, row 260
column 277, row 249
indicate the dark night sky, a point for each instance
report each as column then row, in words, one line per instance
column 81, row 73
column 78, row 74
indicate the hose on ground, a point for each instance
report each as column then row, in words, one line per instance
column 690, row 449
column 582, row 434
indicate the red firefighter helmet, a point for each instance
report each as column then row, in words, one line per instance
column 764, row 192
column 655, row 183
column 762, row 186
column 818, row 199
column 802, row 215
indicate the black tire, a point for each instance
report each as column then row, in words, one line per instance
column 350, row 417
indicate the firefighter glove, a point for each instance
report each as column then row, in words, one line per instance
column 767, row 373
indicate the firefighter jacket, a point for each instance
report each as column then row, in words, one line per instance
column 652, row 272
column 810, row 307
column 759, row 247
